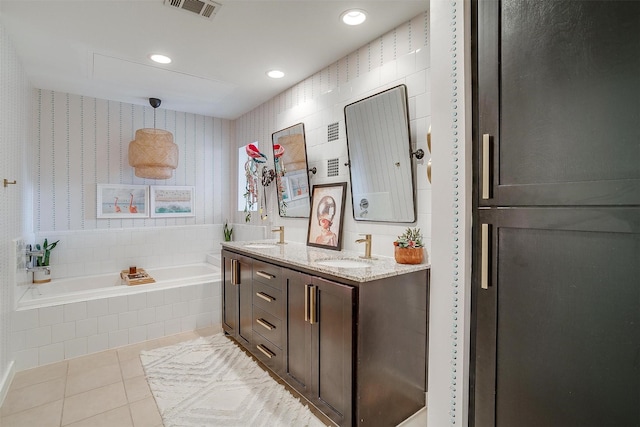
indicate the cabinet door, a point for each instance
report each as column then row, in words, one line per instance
column 298, row 349
column 236, row 296
column 558, row 100
column 331, row 318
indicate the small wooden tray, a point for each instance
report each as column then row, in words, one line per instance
column 140, row 277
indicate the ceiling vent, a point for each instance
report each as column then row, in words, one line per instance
column 205, row 8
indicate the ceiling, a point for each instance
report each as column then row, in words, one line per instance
column 100, row 48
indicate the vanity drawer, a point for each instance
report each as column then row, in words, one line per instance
column 267, row 273
column 267, row 325
column 268, row 299
column 267, row 353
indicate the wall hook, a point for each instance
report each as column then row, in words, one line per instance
column 313, row 170
column 7, row 182
column 418, row 154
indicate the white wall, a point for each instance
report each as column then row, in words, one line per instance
column 398, row 57
column 79, row 142
column 14, row 208
column 451, row 262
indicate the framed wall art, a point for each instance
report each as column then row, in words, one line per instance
column 122, row 201
column 172, row 201
column 327, row 216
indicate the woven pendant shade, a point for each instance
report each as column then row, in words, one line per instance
column 153, row 154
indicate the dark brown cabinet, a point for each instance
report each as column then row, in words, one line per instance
column 319, row 361
column 237, row 300
column 556, row 221
column 356, row 351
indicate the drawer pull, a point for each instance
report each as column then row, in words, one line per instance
column 265, row 324
column 265, row 351
column 265, row 275
column 265, row 297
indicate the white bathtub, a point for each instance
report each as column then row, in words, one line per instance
column 87, row 288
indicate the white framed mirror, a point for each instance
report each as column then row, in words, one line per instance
column 380, row 162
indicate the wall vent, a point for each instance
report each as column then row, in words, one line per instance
column 333, row 167
column 332, row 132
column 205, row 8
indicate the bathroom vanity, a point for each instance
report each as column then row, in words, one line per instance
column 350, row 335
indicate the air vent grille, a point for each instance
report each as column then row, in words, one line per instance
column 333, row 167
column 205, row 8
column 333, row 132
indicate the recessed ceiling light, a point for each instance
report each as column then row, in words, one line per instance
column 353, row 17
column 275, row 74
column 160, row 59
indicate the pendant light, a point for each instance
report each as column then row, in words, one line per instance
column 152, row 153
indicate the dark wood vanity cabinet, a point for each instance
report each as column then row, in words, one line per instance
column 237, row 300
column 355, row 350
column 319, row 360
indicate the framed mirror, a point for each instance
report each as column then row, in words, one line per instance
column 292, row 176
column 380, row 163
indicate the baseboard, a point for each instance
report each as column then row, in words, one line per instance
column 6, row 382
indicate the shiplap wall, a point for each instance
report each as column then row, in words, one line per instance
column 400, row 56
column 79, row 142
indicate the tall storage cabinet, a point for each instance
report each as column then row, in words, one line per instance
column 555, row 294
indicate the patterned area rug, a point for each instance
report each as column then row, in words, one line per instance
column 211, row 382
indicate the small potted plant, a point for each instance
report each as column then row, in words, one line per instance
column 43, row 276
column 228, row 232
column 408, row 248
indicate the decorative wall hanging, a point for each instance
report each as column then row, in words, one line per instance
column 327, row 216
column 152, row 153
column 251, row 174
column 122, row 201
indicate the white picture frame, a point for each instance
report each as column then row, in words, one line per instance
column 172, row 201
column 118, row 201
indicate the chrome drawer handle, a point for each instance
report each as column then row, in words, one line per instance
column 265, row 275
column 265, row 324
column 265, row 297
column 265, row 351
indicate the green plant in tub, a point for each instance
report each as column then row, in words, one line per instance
column 228, row 232
column 43, row 260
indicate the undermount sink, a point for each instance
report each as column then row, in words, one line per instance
column 260, row 245
column 343, row 263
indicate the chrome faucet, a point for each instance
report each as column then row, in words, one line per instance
column 281, row 231
column 367, row 248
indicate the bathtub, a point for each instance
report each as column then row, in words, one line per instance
column 87, row 288
column 72, row 317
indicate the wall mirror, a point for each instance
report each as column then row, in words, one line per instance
column 380, row 161
column 292, row 176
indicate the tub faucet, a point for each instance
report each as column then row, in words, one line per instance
column 281, row 231
column 367, row 247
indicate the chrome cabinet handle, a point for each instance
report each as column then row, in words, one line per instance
column 306, row 303
column 313, row 315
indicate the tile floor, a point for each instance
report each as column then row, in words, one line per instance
column 106, row 389
column 102, row 389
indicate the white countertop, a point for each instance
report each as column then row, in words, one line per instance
column 299, row 254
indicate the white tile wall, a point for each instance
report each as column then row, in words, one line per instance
column 76, row 253
column 50, row 334
column 398, row 57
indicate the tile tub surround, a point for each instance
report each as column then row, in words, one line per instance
column 46, row 335
column 301, row 255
